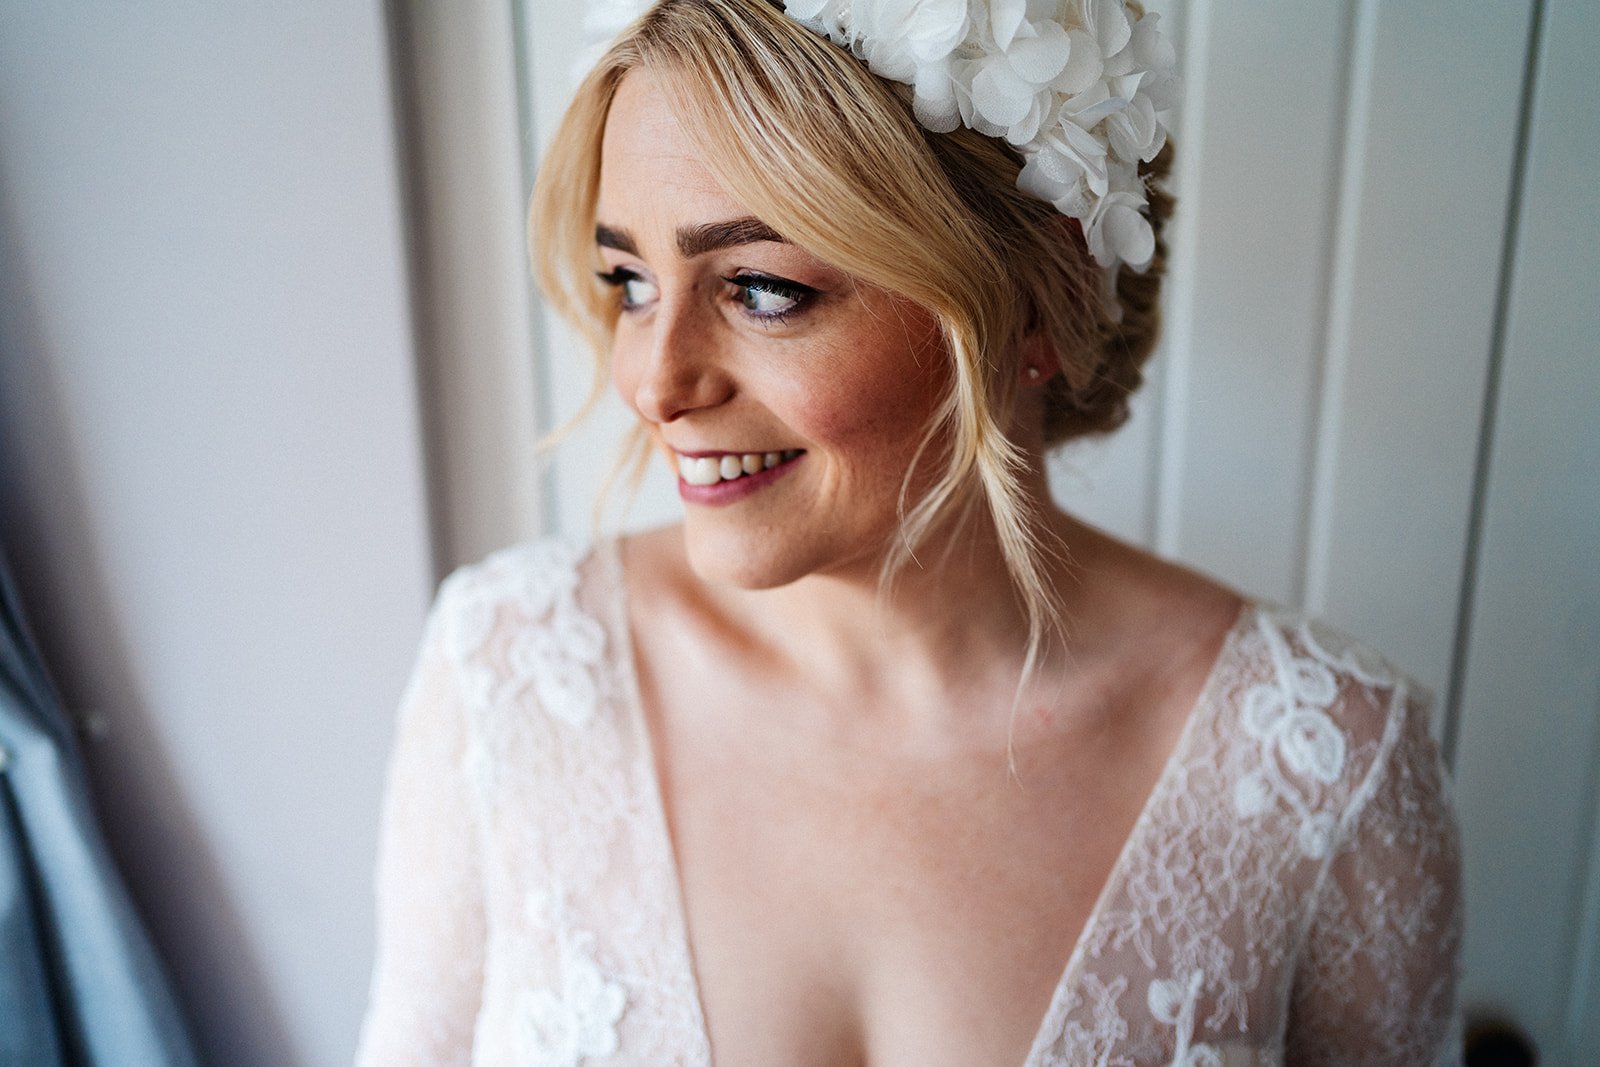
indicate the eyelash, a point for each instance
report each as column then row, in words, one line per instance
column 800, row 294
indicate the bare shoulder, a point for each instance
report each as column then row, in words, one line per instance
column 1156, row 604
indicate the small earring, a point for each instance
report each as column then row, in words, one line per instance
column 1034, row 373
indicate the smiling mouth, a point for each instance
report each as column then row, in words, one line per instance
column 730, row 466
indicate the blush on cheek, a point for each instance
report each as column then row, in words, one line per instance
column 880, row 393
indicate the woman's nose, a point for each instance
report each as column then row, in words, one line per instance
column 674, row 369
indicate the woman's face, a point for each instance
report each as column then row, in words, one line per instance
column 788, row 398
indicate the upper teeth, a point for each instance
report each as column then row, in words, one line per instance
column 709, row 470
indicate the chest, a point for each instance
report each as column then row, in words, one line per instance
column 844, row 908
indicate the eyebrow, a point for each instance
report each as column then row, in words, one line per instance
column 697, row 240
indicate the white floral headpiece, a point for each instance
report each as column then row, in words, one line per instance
column 1076, row 86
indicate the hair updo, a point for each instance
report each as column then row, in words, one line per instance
column 831, row 156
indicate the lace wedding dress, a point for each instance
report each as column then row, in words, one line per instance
column 1290, row 892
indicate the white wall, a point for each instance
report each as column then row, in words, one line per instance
column 1528, row 749
column 211, row 476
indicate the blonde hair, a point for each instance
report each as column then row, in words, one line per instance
column 830, row 156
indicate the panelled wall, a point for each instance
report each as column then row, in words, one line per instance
column 1376, row 398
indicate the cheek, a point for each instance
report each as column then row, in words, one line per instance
column 880, row 407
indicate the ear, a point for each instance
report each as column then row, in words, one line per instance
column 1039, row 360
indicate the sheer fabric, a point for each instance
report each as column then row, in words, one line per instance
column 1290, row 892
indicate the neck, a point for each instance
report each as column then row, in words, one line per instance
column 949, row 633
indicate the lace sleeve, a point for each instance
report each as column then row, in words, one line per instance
column 428, row 973
column 1377, row 975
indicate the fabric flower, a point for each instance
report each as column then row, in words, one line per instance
column 826, row 17
column 1076, row 86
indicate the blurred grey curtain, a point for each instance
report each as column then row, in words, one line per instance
column 80, row 983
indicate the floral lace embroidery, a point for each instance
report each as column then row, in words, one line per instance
column 1218, row 888
column 1291, row 889
column 559, row 1027
column 1172, row 1001
column 561, row 658
column 558, row 659
column 1288, row 717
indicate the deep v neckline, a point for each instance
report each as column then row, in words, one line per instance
column 655, row 799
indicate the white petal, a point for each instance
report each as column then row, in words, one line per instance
column 1089, row 115
column 1108, row 21
column 939, row 116
column 804, row 9
column 1036, row 179
column 1122, row 176
column 1084, row 64
column 935, row 99
column 1005, row 18
column 1131, row 130
column 935, row 28
column 999, row 95
column 1056, row 167
column 1076, row 202
column 888, row 57
column 1083, row 149
column 1157, row 143
column 1123, row 86
column 1090, row 106
column 1026, row 128
column 1149, row 46
column 1040, row 58
column 1128, row 236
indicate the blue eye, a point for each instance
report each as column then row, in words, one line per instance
column 764, row 298
column 769, row 298
column 636, row 292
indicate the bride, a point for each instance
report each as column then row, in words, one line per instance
column 879, row 757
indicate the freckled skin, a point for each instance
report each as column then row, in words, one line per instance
column 848, row 378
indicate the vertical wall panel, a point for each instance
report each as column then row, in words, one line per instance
column 1249, row 298
column 1113, row 481
column 1529, row 734
column 1419, row 257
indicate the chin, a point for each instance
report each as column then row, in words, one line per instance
column 750, row 559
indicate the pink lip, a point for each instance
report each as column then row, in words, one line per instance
column 724, row 493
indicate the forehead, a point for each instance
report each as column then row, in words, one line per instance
column 648, row 163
